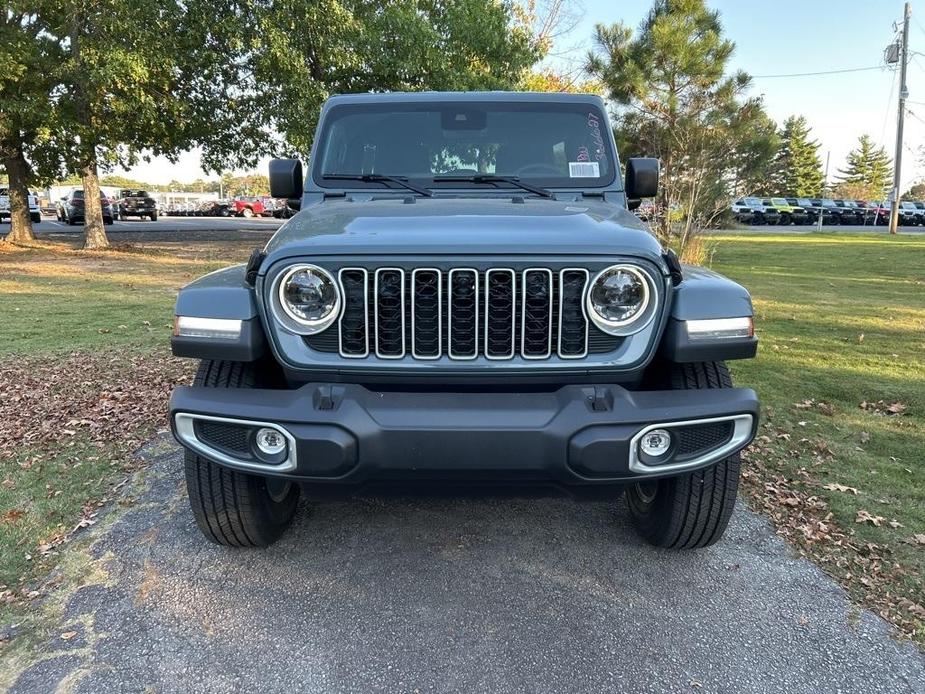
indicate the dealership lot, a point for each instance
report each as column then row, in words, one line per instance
column 135, row 230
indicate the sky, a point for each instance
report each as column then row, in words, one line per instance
column 780, row 38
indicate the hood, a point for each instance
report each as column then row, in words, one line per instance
column 462, row 226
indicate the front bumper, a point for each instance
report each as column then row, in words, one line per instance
column 577, row 435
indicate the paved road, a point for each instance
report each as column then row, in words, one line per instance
column 50, row 227
column 473, row 596
column 174, row 228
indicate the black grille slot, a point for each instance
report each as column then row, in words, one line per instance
column 230, row 438
column 354, row 323
column 499, row 313
column 537, row 314
column 573, row 326
column 464, row 313
column 699, row 438
column 390, row 309
column 426, row 299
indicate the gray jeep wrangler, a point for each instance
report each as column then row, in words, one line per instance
column 463, row 301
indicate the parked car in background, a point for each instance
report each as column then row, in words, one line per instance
column 753, row 211
column 283, row 211
column 214, row 208
column 838, row 214
column 875, row 213
column 852, row 213
column 814, row 210
column 35, row 214
column 246, row 207
column 135, row 203
column 910, row 214
column 789, row 214
column 71, row 209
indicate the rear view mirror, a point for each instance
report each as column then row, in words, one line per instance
column 641, row 178
column 286, row 178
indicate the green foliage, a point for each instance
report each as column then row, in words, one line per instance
column 868, row 170
column 676, row 102
column 796, row 169
column 916, row 192
column 310, row 49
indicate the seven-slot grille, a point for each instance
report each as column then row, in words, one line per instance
column 463, row 313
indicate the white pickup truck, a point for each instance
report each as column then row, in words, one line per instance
column 34, row 211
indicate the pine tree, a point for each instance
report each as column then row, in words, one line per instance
column 796, row 169
column 868, row 168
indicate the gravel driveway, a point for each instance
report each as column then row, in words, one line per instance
column 473, row 596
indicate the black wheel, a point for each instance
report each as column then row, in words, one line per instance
column 691, row 510
column 784, row 219
column 154, row 217
column 35, row 217
column 233, row 508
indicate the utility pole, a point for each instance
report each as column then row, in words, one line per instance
column 825, row 182
column 903, row 95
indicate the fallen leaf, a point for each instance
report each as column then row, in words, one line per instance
column 896, row 524
column 68, row 635
column 836, row 487
column 866, row 517
column 865, row 437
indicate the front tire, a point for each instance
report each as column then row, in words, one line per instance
column 233, row 508
column 692, row 510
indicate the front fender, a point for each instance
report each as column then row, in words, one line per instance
column 224, row 295
column 706, row 295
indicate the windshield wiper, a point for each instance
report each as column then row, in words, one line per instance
column 379, row 178
column 494, row 178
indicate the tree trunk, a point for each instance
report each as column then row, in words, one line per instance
column 94, row 232
column 18, row 170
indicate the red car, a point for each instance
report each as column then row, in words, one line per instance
column 877, row 213
column 246, row 207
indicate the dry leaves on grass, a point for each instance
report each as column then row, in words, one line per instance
column 109, row 399
column 882, row 407
column 805, row 520
column 866, row 517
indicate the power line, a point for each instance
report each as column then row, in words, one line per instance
column 824, row 72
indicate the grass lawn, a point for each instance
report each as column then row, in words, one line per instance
column 85, row 372
column 840, row 463
column 841, row 375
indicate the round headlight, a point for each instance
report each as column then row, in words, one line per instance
column 309, row 297
column 618, row 299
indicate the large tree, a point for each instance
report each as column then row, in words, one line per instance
column 796, row 169
column 674, row 100
column 244, row 78
column 313, row 48
column 30, row 61
column 868, row 171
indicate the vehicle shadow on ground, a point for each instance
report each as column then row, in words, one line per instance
column 454, row 595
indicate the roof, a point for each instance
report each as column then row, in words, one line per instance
column 430, row 97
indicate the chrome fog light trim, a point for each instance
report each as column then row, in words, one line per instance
column 720, row 328
column 212, row 328
column 184, row 426
column 741, row 432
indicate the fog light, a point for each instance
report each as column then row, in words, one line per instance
column 270, row 441
column 655, row 443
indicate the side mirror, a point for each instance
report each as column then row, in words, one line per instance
column 641, row 178
column 286, row 178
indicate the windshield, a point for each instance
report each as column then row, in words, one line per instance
column 805, row 202
column 564, row 145
column 779, row 201
column 753, row 202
